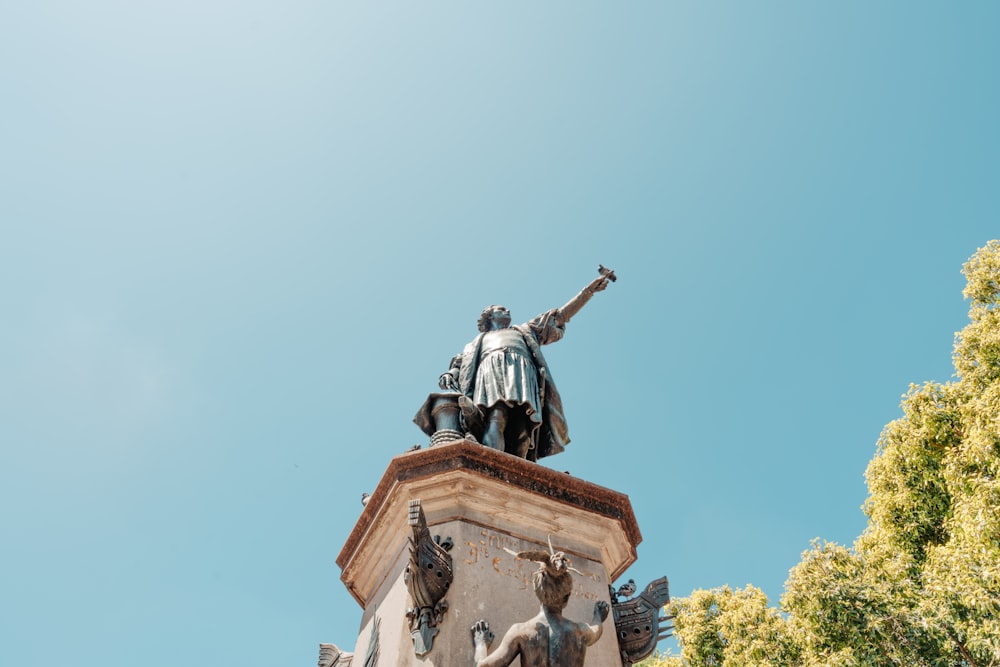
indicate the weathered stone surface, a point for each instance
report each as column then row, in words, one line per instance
column 485, row 501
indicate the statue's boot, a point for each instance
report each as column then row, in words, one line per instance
column 521, row 443
column 472, row 416
column 495, row 425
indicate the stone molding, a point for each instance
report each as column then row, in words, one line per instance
column 468, row 482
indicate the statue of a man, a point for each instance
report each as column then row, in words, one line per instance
column 506, row 383
column 548, row 639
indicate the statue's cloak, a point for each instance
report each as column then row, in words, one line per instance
column 552, row 436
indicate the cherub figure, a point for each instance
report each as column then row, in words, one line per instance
column 548, row 639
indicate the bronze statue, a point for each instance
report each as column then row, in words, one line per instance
column 505, row 391
column 548, row 639
column 637, row 619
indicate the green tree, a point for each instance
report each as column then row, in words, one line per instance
column 723, row 626
column 921, row 584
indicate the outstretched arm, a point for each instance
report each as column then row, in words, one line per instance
column 593, row 632
column 482, row 637
column 574, row 305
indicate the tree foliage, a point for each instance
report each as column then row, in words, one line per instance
column 921, row 585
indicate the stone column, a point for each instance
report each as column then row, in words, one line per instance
column 482, row 502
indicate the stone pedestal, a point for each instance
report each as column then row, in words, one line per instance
column 485, row 501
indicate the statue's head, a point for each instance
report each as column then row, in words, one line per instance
column 553, row 591
column 494, row 317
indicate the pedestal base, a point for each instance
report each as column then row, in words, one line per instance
column 486, row 502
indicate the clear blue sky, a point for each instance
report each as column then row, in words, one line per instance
column 241, row 239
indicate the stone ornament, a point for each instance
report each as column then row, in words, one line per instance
column 548, row 639
column 428, row 576
column 371, row 656
column 330, row 655
column 637, row 620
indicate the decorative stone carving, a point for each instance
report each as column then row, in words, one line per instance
column 330, row 655
column 548, row 639
column 428, row 576
column 371, row 656
column 637, row 620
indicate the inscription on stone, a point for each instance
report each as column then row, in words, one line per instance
column 490, row 548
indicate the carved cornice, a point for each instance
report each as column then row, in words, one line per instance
column 466, row 481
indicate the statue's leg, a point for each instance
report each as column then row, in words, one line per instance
column 471, row 418
column 495, row 425
column 521, row 441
